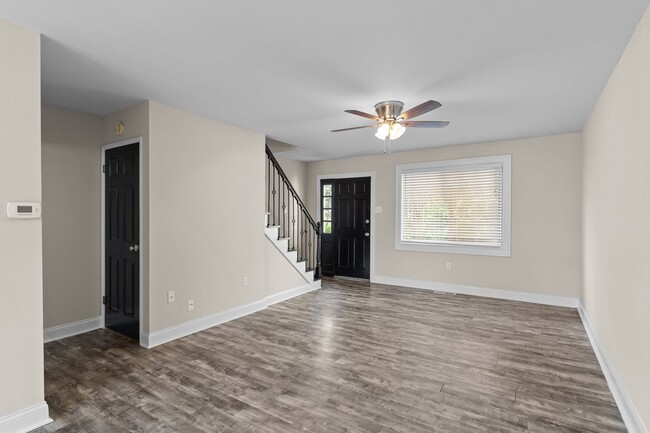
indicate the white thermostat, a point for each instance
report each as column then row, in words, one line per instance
column 23, row 209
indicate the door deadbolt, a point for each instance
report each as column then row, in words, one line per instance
column 367, row 234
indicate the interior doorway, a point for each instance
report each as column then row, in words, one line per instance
column 121, row 238
column 345, row 205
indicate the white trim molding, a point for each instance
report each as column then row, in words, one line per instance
column 184, row 329
column 26, row 419
column 511, row 295
column 291, row 293
column 166, row 335
column 70, row 329
column 630, row 415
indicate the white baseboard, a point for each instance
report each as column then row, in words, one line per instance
column 70, row 329
column 288, row 294
column 536, row 298
column 630, row 415
column 157, row 338
column 26, row 419
column 184, row 329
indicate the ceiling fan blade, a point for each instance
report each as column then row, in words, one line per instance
column 362, row 114
column 356, row 127
column 426, row 124
column 419, row 110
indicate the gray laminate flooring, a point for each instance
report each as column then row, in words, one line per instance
column 351, row 357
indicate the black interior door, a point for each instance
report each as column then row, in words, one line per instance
column 345, row 218
column 351, row 227
column 122, row 238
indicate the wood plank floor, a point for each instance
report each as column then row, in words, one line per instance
column 351, row 357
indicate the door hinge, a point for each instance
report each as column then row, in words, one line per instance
column 103, row 300
column 104, row 168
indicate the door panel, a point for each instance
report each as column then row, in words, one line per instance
column 344, row 252
column 130, row 289
column 130, row 205
column 113, row 296
column 122, row 237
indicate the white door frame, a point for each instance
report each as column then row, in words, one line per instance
column 106, row 147
column 371, row 175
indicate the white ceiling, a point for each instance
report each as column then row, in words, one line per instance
column 288, row 68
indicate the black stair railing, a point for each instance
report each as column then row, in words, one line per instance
column 287, row 211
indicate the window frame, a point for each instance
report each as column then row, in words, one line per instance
column 322, row 197
column 506, row 196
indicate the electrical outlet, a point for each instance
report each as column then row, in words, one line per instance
column 448, row 266
column 171, row 296
column 244, row 281
column 190, row 304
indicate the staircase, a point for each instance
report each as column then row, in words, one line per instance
column 289, row 225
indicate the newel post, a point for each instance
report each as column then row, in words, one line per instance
column 318, row 236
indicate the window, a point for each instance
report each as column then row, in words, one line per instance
column 460, row 206
column 326, row 201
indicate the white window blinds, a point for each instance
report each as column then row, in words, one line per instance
column 453, row 205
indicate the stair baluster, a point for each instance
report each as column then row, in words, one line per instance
column 288, row 211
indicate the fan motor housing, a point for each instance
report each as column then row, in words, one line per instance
column 389, row 109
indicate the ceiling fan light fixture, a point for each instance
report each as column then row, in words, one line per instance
column 396, row 131
column 392, row 122
column 383, row 131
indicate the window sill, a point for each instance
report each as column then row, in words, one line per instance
column 503, row 251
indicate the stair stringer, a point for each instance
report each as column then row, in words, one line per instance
column 282, row 245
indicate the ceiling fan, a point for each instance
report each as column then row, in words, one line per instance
column 391, row 122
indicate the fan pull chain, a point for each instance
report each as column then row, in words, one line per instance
column 387, row 140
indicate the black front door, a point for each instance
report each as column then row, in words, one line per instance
column 346, row 248
column 122, row 240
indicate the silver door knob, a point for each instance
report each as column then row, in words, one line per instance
column 130, row 247
column 367, row 234
column 134, row 248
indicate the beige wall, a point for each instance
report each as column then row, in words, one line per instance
column 136, row 124
column 207, row 213
column 279, row 274
column 21, row 285
column 71, row 229
column 616, row 219
column 196, row 161
column 545, row 249
column 71, row 156
column 296, row 171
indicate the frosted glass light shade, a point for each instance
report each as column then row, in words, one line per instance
column 383, row 131
column 396, row 131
